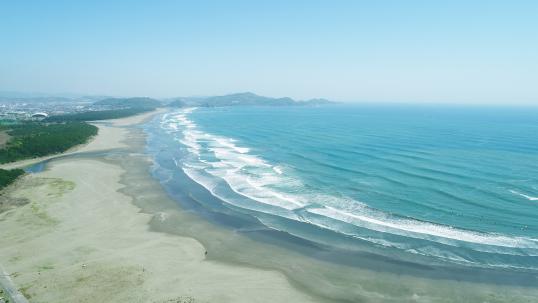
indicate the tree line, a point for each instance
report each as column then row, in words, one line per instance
column 8, row 176
column 31, row 140
column 56, row 134
column 99, row 115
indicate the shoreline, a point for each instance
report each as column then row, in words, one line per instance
column 141, row 232
column 346, row 277
column 96, row 143
column 95, row 244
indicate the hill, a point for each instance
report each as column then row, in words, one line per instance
column 246, row 99
column 176, row 103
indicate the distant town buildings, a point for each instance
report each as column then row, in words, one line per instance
column 18, row 110
column 39, row 116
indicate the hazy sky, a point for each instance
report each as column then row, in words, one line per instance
column 426, row 51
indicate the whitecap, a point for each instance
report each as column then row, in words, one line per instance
column 378, row 221
column 277, row 170
column 270, row 189
column 531, row 198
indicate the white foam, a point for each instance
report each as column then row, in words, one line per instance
column 246, row 174
column 421, row 230
column 229, row 144
column 277, row 170
column 251, row 176
column 211, row 185
column 524, row 196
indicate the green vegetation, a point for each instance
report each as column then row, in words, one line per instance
column 56, row 134
column 31, row 140
column 99, row 115
column 41, row 213
column 59, row 187
column 8, row 176
column 3, row 296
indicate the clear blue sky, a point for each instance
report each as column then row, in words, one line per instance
column 424, row 51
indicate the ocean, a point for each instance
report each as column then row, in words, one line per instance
column 448, row 186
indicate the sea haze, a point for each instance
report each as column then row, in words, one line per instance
column 449, row 185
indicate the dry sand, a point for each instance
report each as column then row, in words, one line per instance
column 111, row 136
column 79, row 239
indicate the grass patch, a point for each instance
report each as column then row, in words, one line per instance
column 45, row 267
column 42, row 214
column 60, row 187
column 25, row 291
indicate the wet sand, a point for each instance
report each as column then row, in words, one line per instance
column 95, row 226
column 79, row 238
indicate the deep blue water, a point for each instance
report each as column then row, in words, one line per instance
column 456, row 185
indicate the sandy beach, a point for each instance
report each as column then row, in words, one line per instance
column 95, row 226
column 111, row 135
column 76, row 236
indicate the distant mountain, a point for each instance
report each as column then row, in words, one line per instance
column 137, row 102
column 238, row 99
column 316, row 101
column 186, row 101
column 177, row 103
column 245, row 99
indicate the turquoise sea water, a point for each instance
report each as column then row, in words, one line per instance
column 432, row 185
